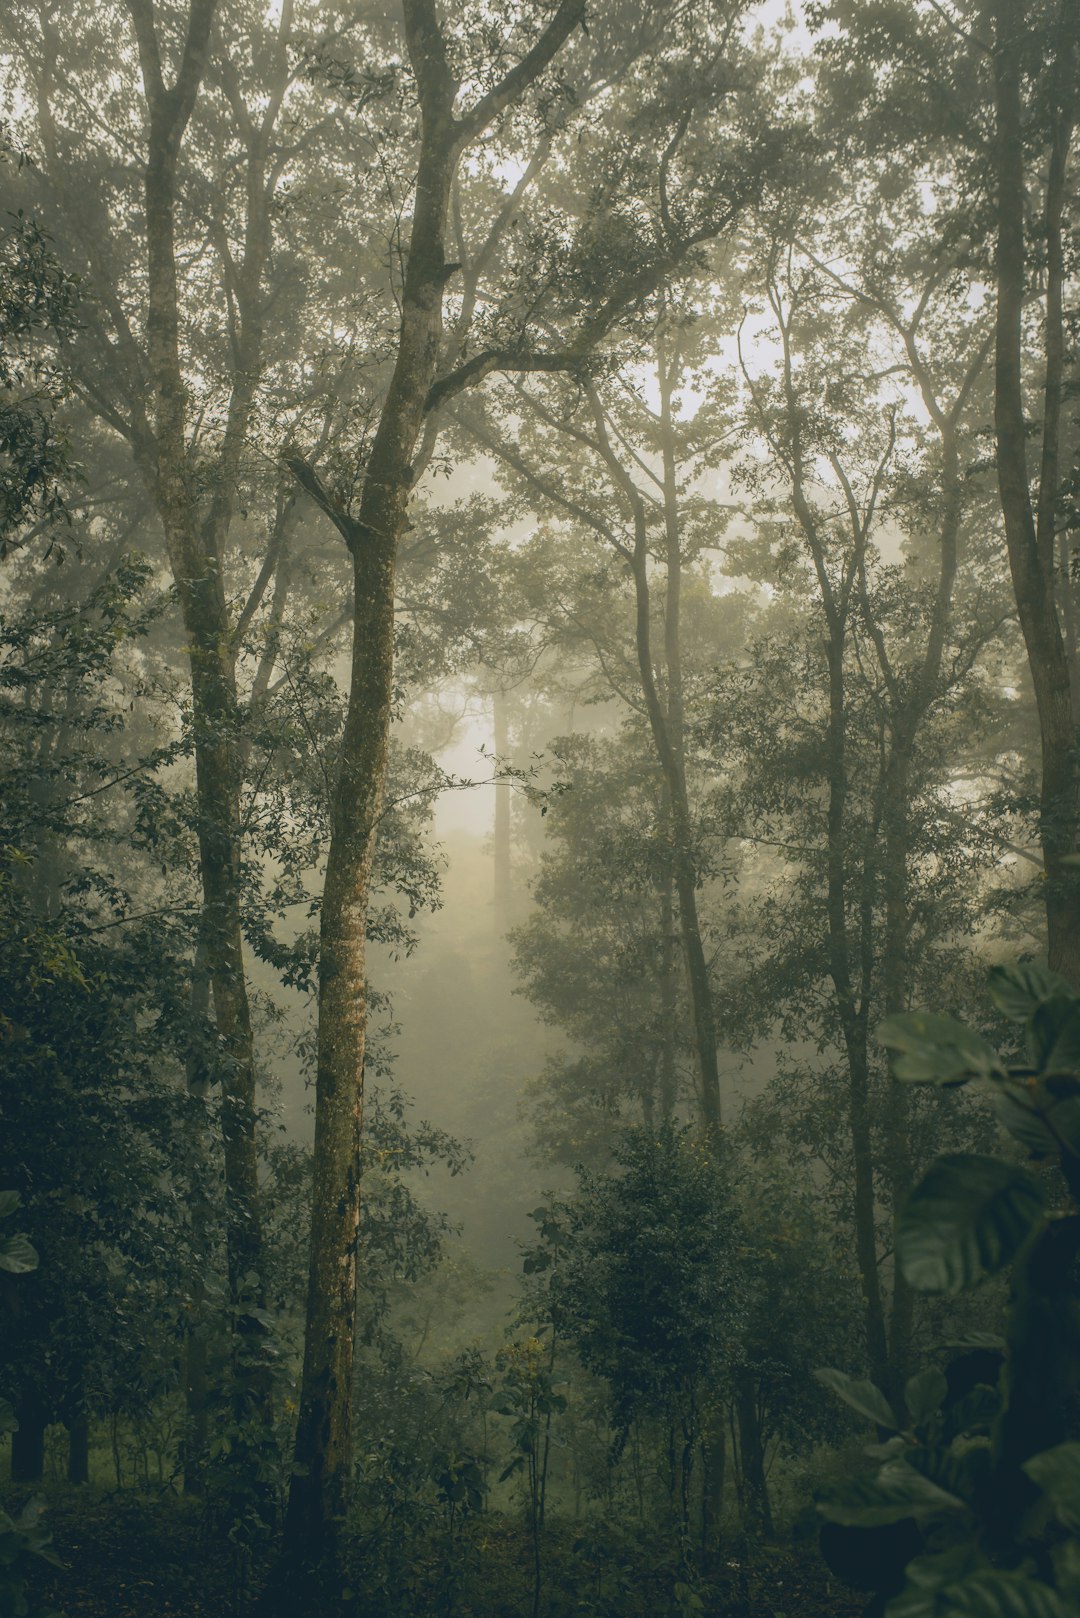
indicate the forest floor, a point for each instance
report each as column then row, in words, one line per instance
column 126, row 1555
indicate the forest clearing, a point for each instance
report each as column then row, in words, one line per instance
column 540, row 832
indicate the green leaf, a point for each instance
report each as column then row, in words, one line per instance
column 9, row 1201
column 934, row 1591
column 17, row 1256
column 976, row 1412
column 864, row 1397
column 1018, row 990
column 1057, row 1472
column 936, row 1050
column 1054, row 1036
column 959, row 1472
column 925, row 1394
column 897, row 1492
column 978, row 1339
column 991, row 1593
column 1018, row 1112
column 968, row 1219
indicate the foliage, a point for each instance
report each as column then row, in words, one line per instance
column 22, row 1537
column 979, row 1483
column 38, row 304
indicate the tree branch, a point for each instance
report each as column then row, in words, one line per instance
column 570, row 15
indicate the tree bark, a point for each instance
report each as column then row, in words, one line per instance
column 194, row 548
column 757, row 1510
column 320, row 1490
column 28, row 1443
column 78, row 1468
column 668, row 740
column 502, row 816
column 1030, row 543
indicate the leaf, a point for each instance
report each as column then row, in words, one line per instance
column 960, row 1472
column 976, row 1412
column 969, row 1218
column 940, row 1587
column 17, row 1255
column 864, row 1397
column 936, row 1050
column 1057, row 1472
column 925, row 1393
column 888, row 1451
column 9, row 1201
column 897, row 1492
column 9, row 1422
column 1054, row 1036
column 1019, row 1114
column 991, row 1593
column 1017, row 990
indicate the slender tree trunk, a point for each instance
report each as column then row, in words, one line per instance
column 757, row 1508
column 667, row 738
column 853, row 1014
column 193, row 550
column 320, row 1489
column 78, row 1467
column 713, row 1475
column 502, row 816
column 1030, row 543
column 28, row 1443
column 894, row 972
column 196, row 1381
column 669, row 1000
column 675, row 755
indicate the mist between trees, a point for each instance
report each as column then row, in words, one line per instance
column 537, row 647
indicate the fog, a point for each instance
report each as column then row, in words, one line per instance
column 539, row 897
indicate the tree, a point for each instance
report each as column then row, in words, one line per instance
column 320, row 1487
column 95, row 1116
column 37, row 306
column 1038, row 559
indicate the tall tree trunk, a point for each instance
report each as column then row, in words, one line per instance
column 852, row 1008
column 668, row 740
column 756, row 1505
column 697, row 968
column 28, row 1442
column 1030, row 542
column 194, row 554
column 502, row 816
column 196, row 1381
column 894, row 973
column 669, row 1001
column 320, row 1489
column 78, row 1467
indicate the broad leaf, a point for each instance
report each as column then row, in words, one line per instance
column 9, row 1201
column 958, row 1471
column 1018, row 990
column 17, row 1256
column 864, row 1397
column 898, row 1491
column 978, row 1339
column 976, row 1412
column 988, row 1593
column 1057, row 1472
column 1062, row 1112
column 936, row 1050
column 1054, row 1036
column 1018, row 1112
column 968, row 1219
column 925, row 1394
